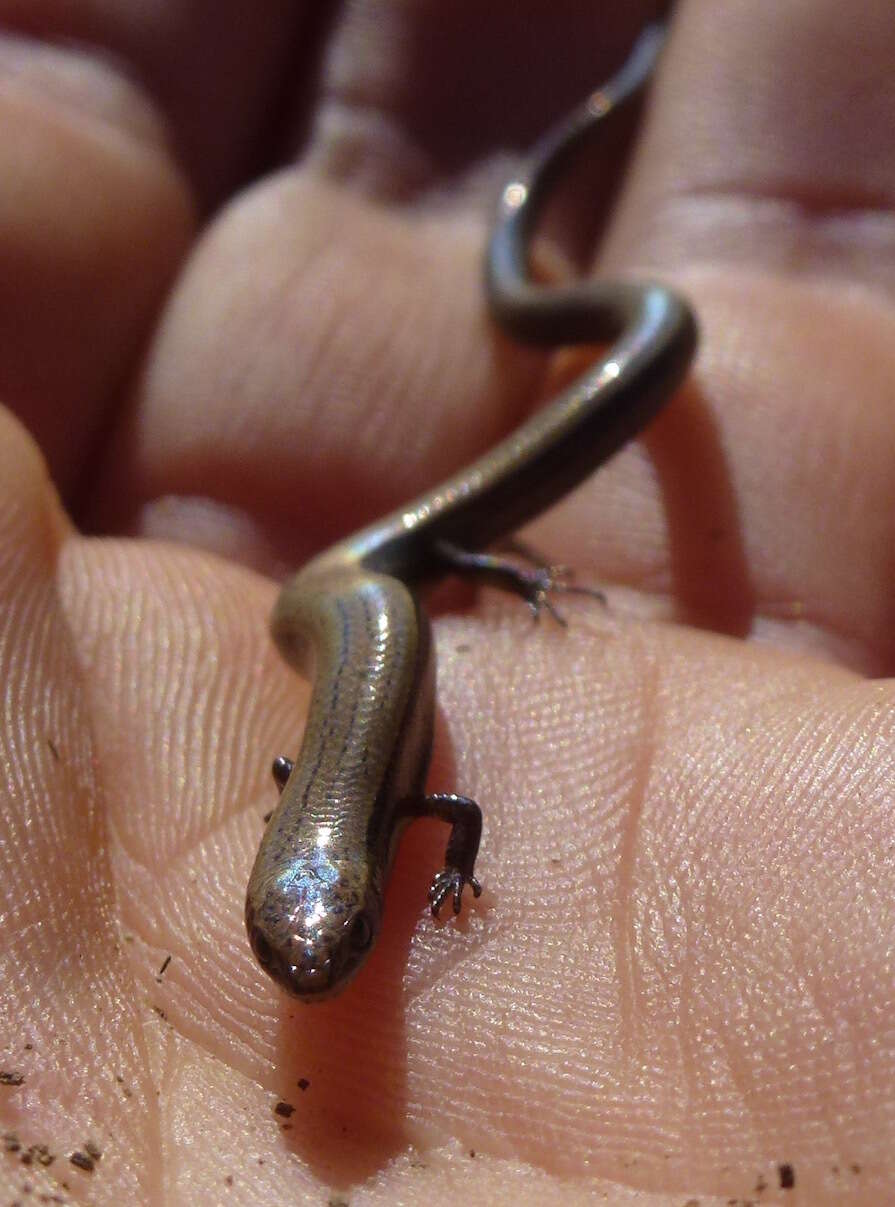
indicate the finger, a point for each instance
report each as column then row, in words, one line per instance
column 336, row 359
column 77, row 1077
column 93, row 218
column 215, row 74
column 414, row 99
column 768, row 200
column 776, row 172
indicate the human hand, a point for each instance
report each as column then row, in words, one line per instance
column 678, row 982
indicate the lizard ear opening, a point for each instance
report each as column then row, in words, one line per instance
column 282, row 769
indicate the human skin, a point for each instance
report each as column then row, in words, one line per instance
column 680, row 978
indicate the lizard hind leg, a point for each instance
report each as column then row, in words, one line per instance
column 535, row 582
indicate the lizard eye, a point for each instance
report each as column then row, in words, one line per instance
column 262, row 949
column 361, row 933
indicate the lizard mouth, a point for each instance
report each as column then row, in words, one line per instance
column 306, row 969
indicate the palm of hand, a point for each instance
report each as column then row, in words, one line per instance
column 679, row 976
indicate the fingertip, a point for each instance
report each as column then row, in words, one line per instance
column 94, row 218
column 31, row 515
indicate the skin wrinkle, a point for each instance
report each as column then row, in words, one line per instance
column 825, row 1106
column 148, row 863
column 712, row 225
column 684, row 1014
column 198, row 1014
column 445, row 969
column 808, row 203
column 743, row 1083
column 689, row 1059
column 625, row 924
column 360, row 147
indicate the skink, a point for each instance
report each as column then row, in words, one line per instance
column 352, row 617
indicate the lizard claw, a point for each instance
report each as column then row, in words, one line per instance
column 450, row 882
column 541, row 583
